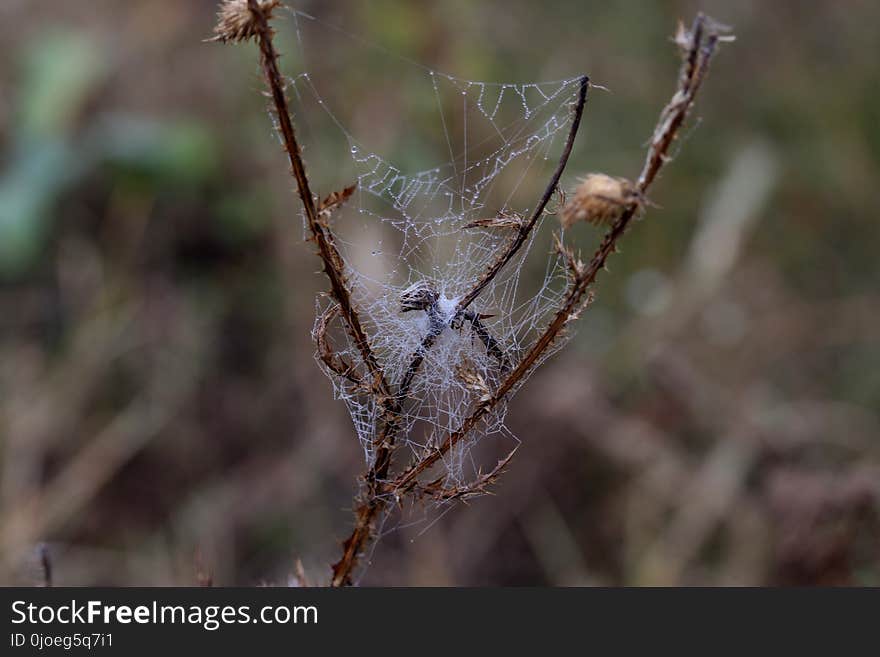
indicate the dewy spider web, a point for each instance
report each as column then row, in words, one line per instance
column 415, row 241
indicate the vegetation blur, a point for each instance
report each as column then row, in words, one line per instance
column 716, row 420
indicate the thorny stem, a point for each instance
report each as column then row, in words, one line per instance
column 339, row 367
column 440, row 491
column 493, row 348
column 527, row 227
column 333, row 267
column 698, row 48
column 334, row 270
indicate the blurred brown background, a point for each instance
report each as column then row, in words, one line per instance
column 715, row 421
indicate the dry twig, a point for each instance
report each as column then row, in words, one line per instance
column 239, row 22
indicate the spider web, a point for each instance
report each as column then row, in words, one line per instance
column 408, row 230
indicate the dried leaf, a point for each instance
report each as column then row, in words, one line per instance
column 437, row 489
column 576, row 267
column 335, row 364
column 682, row 38
column 503, row 219
column 336, row 199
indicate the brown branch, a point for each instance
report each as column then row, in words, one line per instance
column 493, row 347
column 526, row 228
column 335, row 364
column 333, row 265
column 334, row 269
column 440, row 491
column 698, row 46
column 240, row 21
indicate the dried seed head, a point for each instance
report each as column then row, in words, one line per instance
column 600, row 199
column 235, row 21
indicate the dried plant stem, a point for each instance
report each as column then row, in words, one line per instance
column 334, row 269
column 327, row 251
column 339, row 367
column 527, row 227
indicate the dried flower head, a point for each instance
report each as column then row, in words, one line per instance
column 236, row 23
column 600, row 199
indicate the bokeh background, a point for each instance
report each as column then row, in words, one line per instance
column 715, row 421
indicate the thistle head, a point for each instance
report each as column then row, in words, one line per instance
column 236, row 22
column 600, row 200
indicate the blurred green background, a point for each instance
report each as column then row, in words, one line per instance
column 715, row 421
